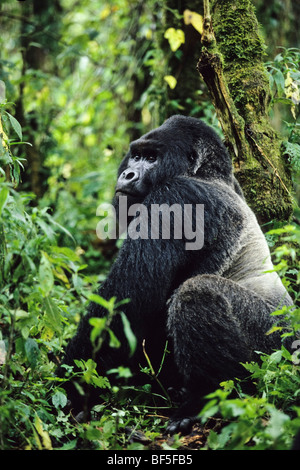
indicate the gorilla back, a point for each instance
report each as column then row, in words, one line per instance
column 213, row 303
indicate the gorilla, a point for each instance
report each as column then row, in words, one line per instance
column 212, row 303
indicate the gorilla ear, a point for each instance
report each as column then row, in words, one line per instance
column 196, row 159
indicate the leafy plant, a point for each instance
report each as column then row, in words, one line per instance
column 284, row 78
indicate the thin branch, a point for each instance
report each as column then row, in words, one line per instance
column 206, row 9
column 154, row 375
column 208, row 36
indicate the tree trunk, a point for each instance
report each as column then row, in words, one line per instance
column 39, row 44
column 231, row 64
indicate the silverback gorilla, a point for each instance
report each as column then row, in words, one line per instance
column 212, row 304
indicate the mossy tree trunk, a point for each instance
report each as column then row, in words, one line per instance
column 231, row 64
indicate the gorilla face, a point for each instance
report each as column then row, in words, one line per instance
column 180, row 146
column 135, row 180
column 151, row 161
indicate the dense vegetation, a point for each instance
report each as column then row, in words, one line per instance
column 79, row 80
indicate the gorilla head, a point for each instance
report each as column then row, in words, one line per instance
column 181, row 146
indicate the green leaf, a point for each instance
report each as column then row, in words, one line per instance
column 32, row 352
column 16, row 125
column 46, row 278
column 218, row 441
column 113, row 340
column 98, row 325
column 171, row 81
column 69, row 445
column 43, row 434
column 280, row 82
column 52, row 312
column 2, row 91
column 90, row 370
column 93, row 434
column 124, row 372
column 129, row 333
column 101, row 382
column 276, row 424
column 59, row 399
column 175, row 37
column 46, row 229
column 276, row 357
column 4, row 192
column 97, row 299
column 71, row 255
column 60, row 227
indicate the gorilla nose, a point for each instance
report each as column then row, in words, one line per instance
column 130, row 175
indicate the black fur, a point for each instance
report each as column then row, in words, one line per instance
column 213, row 304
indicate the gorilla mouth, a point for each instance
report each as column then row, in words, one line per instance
column 132, row 195
column 121, row 192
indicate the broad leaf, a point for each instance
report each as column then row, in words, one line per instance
column 175, row 37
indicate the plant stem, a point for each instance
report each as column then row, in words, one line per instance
column 154, row 375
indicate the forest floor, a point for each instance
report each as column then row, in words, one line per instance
column 195, row 440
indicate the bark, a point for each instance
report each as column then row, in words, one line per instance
column 231, row 64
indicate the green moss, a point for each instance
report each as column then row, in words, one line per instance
column 242, row 48
column 258, row 163
column 263, row 192
column 249, row 89
column 236, row 31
